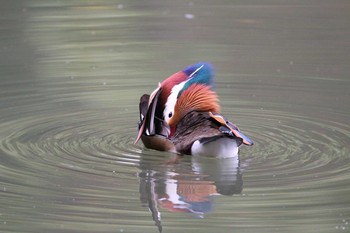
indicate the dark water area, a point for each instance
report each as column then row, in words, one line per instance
column 72, row 72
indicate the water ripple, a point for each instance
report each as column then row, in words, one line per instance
column 294, row 149
column 287, row 142
column 77, row 138
column 296, row 161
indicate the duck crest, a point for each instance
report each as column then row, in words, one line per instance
column 200, row 79
column 201, row 73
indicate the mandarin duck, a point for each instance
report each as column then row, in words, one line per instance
column 183, row 115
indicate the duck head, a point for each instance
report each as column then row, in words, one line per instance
column 164, row 95
column 201, row 72
column 193, row 94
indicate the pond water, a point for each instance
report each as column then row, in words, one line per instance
column 72, row 72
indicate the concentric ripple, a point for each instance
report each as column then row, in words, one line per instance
column 298, row 148
column 80, row 163
column 294, row 158
column 70, row 140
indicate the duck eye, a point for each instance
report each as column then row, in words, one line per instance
column 170, row 114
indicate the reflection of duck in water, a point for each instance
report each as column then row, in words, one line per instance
column 182, row 115
column 193, row 191
column 188, row 187
column 187, row 196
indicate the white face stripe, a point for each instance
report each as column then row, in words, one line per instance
column 171, row 101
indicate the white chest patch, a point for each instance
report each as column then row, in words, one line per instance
column 221, row 148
